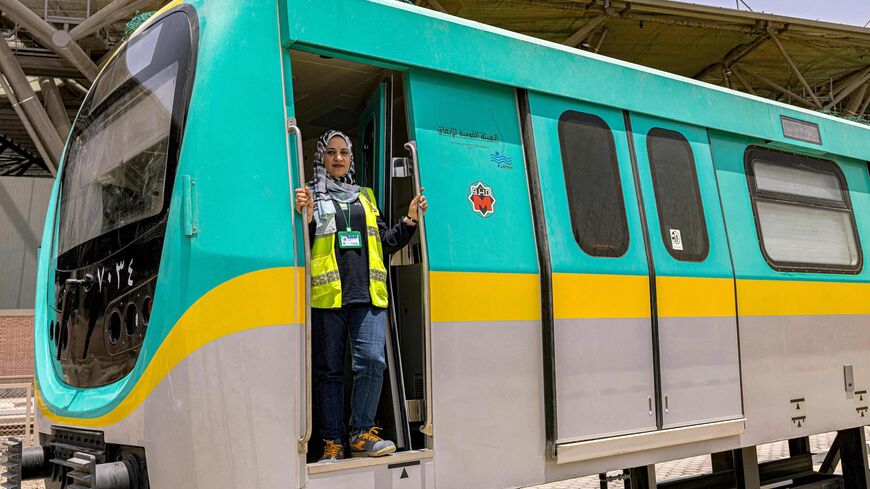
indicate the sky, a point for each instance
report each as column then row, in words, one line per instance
column 852, row 12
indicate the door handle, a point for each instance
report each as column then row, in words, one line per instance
column 302, row 443
column 427, row 428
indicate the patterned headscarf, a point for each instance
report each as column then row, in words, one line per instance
column 326, row 188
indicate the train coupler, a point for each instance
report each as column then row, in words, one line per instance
column 86, row 473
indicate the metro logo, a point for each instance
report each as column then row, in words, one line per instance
column 482, row 199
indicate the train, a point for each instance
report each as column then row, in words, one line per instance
column 619, row 267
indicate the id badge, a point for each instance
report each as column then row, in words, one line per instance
column 349, row 240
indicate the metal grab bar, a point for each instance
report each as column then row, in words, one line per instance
column 302, row 443
column 426, row 429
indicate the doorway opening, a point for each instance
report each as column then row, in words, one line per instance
column 367, row 103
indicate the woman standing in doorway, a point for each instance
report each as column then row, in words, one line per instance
column 349, row 294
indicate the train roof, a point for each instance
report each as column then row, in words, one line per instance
column 385, row 31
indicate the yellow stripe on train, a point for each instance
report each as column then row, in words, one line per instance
column 792, row 298
column 260, row 299
column 489, row 297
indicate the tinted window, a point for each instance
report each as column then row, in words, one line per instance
column 803, row 213
column 592, row 179
column 678, row 198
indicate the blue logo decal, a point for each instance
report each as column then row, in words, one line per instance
column 502, row 161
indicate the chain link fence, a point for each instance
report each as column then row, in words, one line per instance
column 17, row 408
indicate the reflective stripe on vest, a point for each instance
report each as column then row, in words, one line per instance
column 325, row 279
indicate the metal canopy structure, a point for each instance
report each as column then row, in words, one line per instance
column 812, row 64
column 52, row 50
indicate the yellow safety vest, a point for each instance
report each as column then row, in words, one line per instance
column 325, row 279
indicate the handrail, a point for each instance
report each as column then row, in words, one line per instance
column 303, row 441
column 426, row 429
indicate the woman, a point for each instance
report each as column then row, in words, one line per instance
column 349, row 294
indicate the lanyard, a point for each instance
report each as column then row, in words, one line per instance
column 347, row 215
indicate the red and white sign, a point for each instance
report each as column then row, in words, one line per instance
column 482, row 199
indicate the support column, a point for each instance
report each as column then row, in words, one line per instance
column 70, row 83
column 27, row 100
column 794, row 68
column 845, row 82
column 585, row 31
column 733, row 56
column 600, row 40
column 743, row 81
column 54, row 106
column 641, row 478
column 746, row 468
column 863, row 109
column 27, row 126
column 856, row 100
column 726, row 79
column 853, row 456
column 832, row 459
column 856, row 84
column 775, row 86
column 58, row 41
column 111, row 13
column 799, row 446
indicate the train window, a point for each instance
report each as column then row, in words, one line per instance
column 803, row 213
column 595, row 200
column 678, row 198
column 116, row 165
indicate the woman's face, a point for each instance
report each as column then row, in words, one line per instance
column 337, row 157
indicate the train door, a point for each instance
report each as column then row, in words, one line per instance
column 374, row 134
column 602, row 340
column 694, row 277
column 329, row 92
column 374, row 159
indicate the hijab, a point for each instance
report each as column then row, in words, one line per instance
column 327, row 188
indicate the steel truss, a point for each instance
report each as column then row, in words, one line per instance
column 16, row 160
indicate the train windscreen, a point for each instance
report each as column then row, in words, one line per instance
column 116, row 164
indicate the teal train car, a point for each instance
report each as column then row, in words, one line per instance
column 620, row 267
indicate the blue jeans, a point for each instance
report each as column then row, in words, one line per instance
column 367, row 326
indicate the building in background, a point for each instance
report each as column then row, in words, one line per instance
column 23, row 202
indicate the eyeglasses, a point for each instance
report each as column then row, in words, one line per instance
column 332, row 153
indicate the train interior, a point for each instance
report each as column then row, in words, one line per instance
column 367, row 103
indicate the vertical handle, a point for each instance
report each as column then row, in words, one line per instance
column 426, row 429
column 188, row 199
column 293, row 128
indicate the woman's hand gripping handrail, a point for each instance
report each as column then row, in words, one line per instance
column 426, row 429
column 300, row 162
